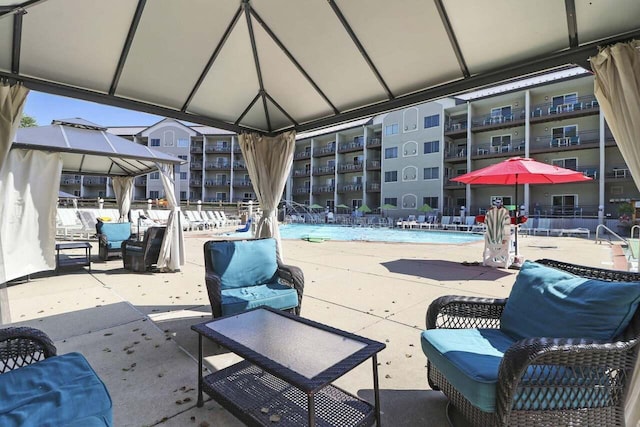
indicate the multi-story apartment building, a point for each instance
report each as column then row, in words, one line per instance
column 408, row 157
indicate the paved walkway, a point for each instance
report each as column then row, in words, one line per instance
column 135, row 328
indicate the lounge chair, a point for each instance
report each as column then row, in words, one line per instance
column 498, row 239
column 246, row 227
column 111, row 235
column 574, row 231
column 244, row 274
column 544, row 225
column 141, row 256
column 560, row 350
column 196, row 221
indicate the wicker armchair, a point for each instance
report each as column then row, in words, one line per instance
column 544, row 381
column 243, row 274
column 110, row 238
column 22, row 346
column 141, row 256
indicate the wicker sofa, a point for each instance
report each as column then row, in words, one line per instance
column 243, row 274
column 40, row 388
column 559, row 351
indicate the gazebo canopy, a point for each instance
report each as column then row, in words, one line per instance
column 274, row 65
column 88, row 149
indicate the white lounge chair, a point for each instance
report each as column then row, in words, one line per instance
column 573, row 231
column 498, row 239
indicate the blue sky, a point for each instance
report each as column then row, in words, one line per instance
column 45, row 108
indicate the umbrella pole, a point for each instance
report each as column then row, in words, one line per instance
column 517, row 214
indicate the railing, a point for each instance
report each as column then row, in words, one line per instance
column 302, row 155
column 490, row 120
column 373, row 186
column 241, row 183
column 486, row 149
column 351, row 146
column 374, row 142
column 601, row 227
column 618, row 173
column 216, row 182
column 373, row 164
column 324, row 170
column 301, row 172
column 324, row 151
column 238, row 165
column 210, row 166
column 323, row 188
column 141, row 181
column 350, row 167
column 195, row 149
column 455, row 126
column 95, row 181
column 582, row 103
column 218, row 149
column 70, row 181
column 195, row 182
column 196, row 166
column 350, row 187
column 301, row 190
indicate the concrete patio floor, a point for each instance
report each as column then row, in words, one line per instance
column 135, row 328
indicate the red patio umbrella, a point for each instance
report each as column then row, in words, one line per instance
column 521, row 170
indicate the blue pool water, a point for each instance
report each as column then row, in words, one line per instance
column 346, row 233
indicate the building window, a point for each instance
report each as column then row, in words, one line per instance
column 391, row 153
column 155, row 142
column 183, row 175
column 154, row 175
column 221, row 197
column 569, row 163
column 182, row 157
column 564, row 132
column 569, row 98
column 431, row 147
column 501, row 111
column 564, row 204
column 183, row 195
column 154, row 194
column 391, row 129
column 391, row 176
column 432, row 121
column 501, row 143
column 431, row 201
column 391, row 201
column 431, row 173
column 183, row 142
column 356, row 203
column 506, row 200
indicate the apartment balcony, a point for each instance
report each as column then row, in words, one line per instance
column 454, row 153
column 217, row 166
column 590, row 171
column 373, row 187
column 350, row 167
column 323, row 189
column 453, row 185
column 195, row 182
column 301, row 173
column 348, row 188
column 195, row 149
column 324, row 151
column 302, row 155
column 618, row 173
column 324, row 170
column 69, row 181
column 374, row 165
column 454, row 127
column 374, row 142
column 95, row 181
column 242, row 183
column 357, row 145
column 218, row 149
column 216, row 183
column 195, row 166
column 237, row 149
column 584, row 106
column 515, row 146
column 490, row 122
column 239, row 166
column 301, row 190
column 140, row 181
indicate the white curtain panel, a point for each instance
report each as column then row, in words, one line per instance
column 269, row 161
column 29, row 183
column 123, row 189
column 12, row 100
column 617, row 89
column 172, row 250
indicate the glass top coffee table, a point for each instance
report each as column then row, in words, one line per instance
column 290, row 363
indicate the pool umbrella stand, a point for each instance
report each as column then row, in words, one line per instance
column 521, row 170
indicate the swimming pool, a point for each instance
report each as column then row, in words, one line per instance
column 346, row 233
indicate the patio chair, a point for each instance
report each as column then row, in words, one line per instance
column 140, row 256
column 559, row 351
column 498, row 241
column 39, row 387
column 244, row 274
column 111, row 235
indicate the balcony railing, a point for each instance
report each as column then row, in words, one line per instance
column 196, row 182
column 214, row 165
column 455, row 126
column 239, row 165
column 95, row 181
column 455, row 152
column 324, row 170
column 301, row 172
column 514, row 146
column 620, row 172
column 588, row 102
column 324, row 151
column 197, row 166
column 141, row 181
column 301, row 190
column 69, row 181
column 350, row 167
column 196, row 149
column 323, row 189
column 302, row 155
column 216, row 182
column 373, row 187
column 374, row 164
column 374, row 142
column 241, row 183
column 218, row 149
column 345, row 188
column 449, row 183
column 351, row 146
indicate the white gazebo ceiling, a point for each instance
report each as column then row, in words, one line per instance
column 272, row 65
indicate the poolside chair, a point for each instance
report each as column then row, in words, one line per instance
column 244, row 274
column 196, row 221
column 227, row 220
column 111, row 235
column 544, row 225
column 498, row 239
column 559, row 351
column 141, row 256
column 40, row 387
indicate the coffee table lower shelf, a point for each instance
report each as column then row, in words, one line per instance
column 254, row 396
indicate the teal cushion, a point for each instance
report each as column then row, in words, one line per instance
column 470, row 359
column 245, row 262
column 274, row 295
column 116, row 231
column 58, row 391
column 547, row 302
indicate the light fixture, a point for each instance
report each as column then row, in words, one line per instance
column 516, row 132
column 546, row 98
column 515, row 104
column 546, row 129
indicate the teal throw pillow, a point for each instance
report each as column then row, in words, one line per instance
column 547, row 302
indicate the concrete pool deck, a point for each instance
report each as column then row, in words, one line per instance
column 135, row 328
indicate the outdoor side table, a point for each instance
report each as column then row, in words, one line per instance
column 73, row 260
column 290, row 363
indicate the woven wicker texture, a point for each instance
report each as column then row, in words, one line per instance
column 546, row 381
column 23, row 346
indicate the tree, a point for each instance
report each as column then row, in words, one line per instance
column 27, row 121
